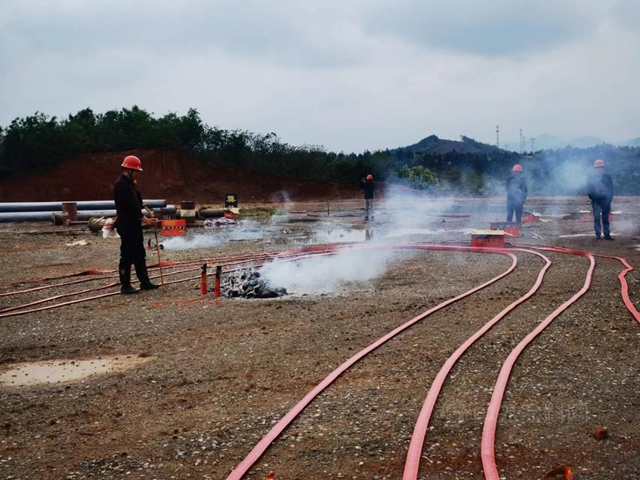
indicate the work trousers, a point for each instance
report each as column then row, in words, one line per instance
column 132, row 252
column 601, row 211
column 512, row 207
column 368, row 208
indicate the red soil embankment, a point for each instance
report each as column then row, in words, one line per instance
column 168, row 174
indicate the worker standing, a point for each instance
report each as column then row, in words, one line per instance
column 600, row 192
column 368, row 186
column 129, row 215
column 516, row 194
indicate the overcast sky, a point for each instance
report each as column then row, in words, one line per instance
column 347, row 74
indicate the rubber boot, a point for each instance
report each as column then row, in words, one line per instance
column 143, row 276
column 125, row 282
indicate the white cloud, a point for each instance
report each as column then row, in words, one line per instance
column 492, row 28
column 626, row 13
column 349, row 75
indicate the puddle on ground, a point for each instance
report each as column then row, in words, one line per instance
column 62, row 371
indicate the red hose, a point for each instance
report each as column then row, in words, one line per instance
column 412, row 464
column 12, row 311
column 72, row 294
column 100, row 272
column 624, row 287
column 491, row 420
column 58, row 305
column 413, row 456
column 75, row 282
column 45, row 279
column 278, row 428
column 45, row 287
column 57, row 297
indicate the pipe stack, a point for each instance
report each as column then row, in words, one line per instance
column 47, row 211
column 85, row 215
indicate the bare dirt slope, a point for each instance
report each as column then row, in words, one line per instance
column 169, row 174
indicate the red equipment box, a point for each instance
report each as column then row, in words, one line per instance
column 487, row 238
column 511, row 228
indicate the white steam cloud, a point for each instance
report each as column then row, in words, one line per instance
column 327, row 274
column 245, row 231
column 405, row 211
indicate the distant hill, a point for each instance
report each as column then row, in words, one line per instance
column 584, row 142
column 631, row 143
column 547, row 141
column 439, row 146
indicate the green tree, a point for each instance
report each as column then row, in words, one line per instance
column 419, row 177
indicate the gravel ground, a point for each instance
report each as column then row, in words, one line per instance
column 221, row 372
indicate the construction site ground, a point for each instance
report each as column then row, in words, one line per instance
column 215, row 374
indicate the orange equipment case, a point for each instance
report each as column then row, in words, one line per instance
column 174, row 228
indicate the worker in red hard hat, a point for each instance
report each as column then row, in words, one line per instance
column 368, row 187
column 128, row 201
column 516, row 193
column 600, row 192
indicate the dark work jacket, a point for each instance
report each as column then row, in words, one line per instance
column 515, row 184
column 128, row 201
column 600, row 188
column 368, row 187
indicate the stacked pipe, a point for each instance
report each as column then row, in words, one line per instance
column 47, row 211
column 85, row 215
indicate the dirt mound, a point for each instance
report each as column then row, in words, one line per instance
column 169, row 174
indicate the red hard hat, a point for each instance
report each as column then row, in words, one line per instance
column 516, row 168
column 132, row 163
column 369, row 177
column 598, row 163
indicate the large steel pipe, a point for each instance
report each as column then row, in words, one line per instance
column 47, row 216
column 210, row 213
column 49, row 207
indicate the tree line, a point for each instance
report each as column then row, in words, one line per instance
column 39, row 142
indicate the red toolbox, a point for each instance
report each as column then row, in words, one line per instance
column 513, row 229
column 487, row 238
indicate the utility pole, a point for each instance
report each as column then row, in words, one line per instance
column 520, row 141
column 498, row 136
column 524, row 144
